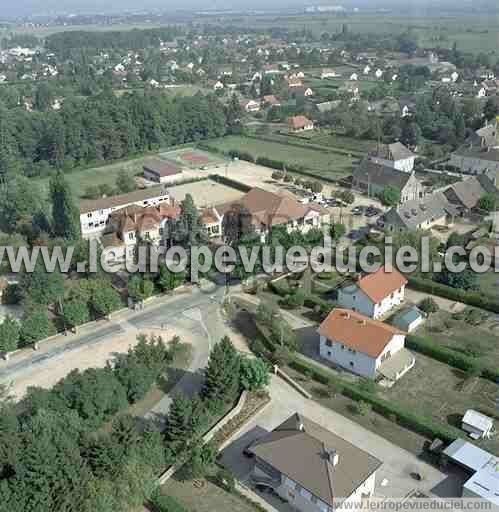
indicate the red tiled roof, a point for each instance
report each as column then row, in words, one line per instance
column 357, row 331
column 297, row 122
column 381, row 283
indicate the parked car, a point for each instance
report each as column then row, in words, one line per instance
column 358, row 210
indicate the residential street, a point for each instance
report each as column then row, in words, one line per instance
column 194, row 315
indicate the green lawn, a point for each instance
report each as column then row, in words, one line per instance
column 489, row 282
column 480, row 341
column 436, row 390
column 329, row 139
column 106, row 174
column 320, row 163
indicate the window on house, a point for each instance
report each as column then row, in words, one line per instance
column 161, row 231
column 89, row 215
column 131, row 236
column 342, row 347
column 329, row 353
column 329, row 343
column 351, row 363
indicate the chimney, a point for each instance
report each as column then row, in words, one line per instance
column 332, row 457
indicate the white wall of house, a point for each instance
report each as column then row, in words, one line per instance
column 352, row 297
column 358, row 362
column 404, row 165
column 94, row 223
column 393, row 300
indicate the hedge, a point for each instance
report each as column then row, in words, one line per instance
column 431, row 348
column 476, row 299
column 223, row 180
column 164, row 503
column 419, row 424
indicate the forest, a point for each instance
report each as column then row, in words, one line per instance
column 102, row 127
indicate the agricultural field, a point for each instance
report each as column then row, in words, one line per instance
column 473, row 33
column 438, row 391
column 322, row 164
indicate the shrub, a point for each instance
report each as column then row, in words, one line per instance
column 162, row 503
column 428, row 305
column 225, row 479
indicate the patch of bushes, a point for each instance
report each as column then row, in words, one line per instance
column 162, row 503
column 472, row 298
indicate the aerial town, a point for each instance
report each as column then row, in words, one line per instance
column 148, row 363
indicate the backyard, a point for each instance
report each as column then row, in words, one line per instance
column 320, row 163
column 438, row 391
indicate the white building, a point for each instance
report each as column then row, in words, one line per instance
column 364, row 346
column 95, row 213
column 375, row 294
column 394, row 155
column 477, row 424
column 313, row 469
column 483, row 468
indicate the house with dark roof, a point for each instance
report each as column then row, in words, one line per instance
column 480, row 152
column 433, row 210
column 312, row 468
column 372, row 178
column 394, row 155
column 375, row 294
column 161, row 171
column 364, row 346
column 466, row 194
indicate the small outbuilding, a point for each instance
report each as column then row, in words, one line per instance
column 161, row 171
column 409, row 319
column 477, row 424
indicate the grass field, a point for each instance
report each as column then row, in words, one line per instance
column 329, row 139
column 322, row 164
column 474, row 33
column 443, row 393
column 94, row 176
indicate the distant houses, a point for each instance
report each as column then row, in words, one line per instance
column 394, row 155
column 300, row 124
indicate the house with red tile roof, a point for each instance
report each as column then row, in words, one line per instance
column 300, row 124
column 366, row 347
column 375, row 294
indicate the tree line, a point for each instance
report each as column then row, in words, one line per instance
column 75, row 448
column 100, row 128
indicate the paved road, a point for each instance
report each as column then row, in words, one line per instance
column 197, row 313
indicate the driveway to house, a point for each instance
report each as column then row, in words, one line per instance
column 398, row 464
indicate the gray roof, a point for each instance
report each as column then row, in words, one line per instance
column 90, row 205
column 394, row 152
column 467, row 193
column 301, row 454
column 380, row 175
column 406, row 316
column 414, row 213
column 482, row 144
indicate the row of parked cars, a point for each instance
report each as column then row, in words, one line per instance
column 368, row 211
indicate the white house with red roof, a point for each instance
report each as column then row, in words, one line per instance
column 375, row 294
column 364, row 346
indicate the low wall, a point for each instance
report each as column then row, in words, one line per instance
column 291, row 382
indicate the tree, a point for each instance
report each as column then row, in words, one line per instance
column 277, row 175
column 491, row 108
column 295, row 299
column 168, row 280
column 19, row 201
column 76, row 313
column 105, row 299
column 201, row 461
column 488, row 202
column 125, row 182
column 188, row 230
column 428, row 305
column 346, row 196
column 222, row 375
column 65, row 213
column 40, row 286
column 254, row 374
column 36, row 326
column 411, row 133
column 139, row 288
column 9, row 334
column 316, row 187
column 466, row 280
column 44, row 97
column 337, row 230
column 390, row 196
